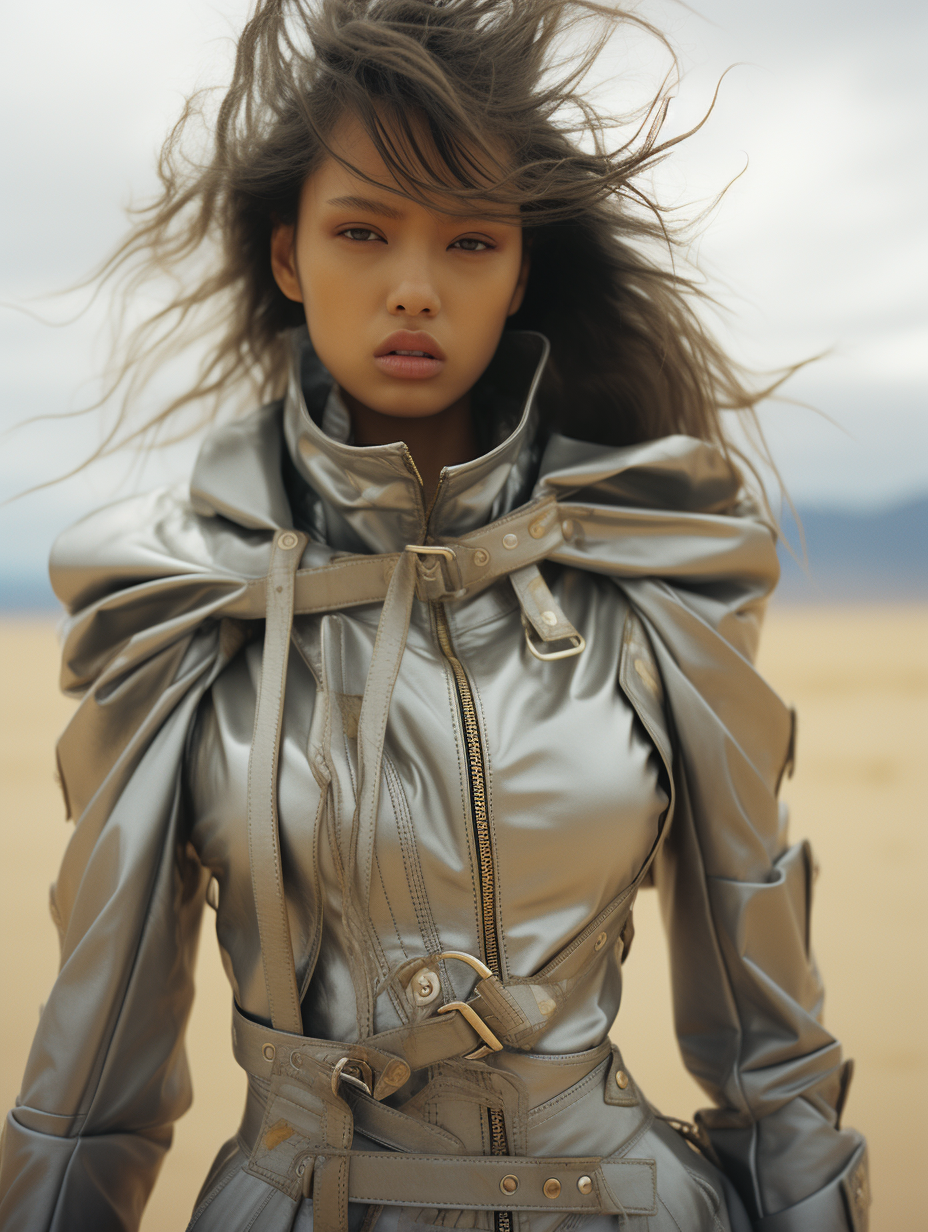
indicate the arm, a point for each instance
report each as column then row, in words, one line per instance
column 736, row 897
column 107, row 1074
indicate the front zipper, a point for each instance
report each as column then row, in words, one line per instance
column 478, row 797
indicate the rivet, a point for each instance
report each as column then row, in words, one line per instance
column 510, row 541
column 537, row 529
column 599, row 942
column 270, row 1052
column 551, row 1187
column 423, row 988
column 287, row 540
column 296, row 1059
column 509, row 1184
column 585, row 1184
column 481, row 556
column 550, row 618
column 567, row 527
column 621, row 1079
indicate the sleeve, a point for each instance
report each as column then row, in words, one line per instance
column 107, row 1073
column 735, row 897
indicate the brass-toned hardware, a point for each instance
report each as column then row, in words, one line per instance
column 270, row 1052
column 537, row 529
column 510, row 541
column 585, row 1184
column 600, row 941
column 509, row 1184
column 551, row 1187
column 477, row 1023
column 342, row 1073
column 550, row 618
column 396, row 1074
column 423, row 988
column 480, row 967
column 481, row 556
column 427, row 549
column 567, row 528
column 577, row 645
column 621, row 1079
column 296, row 1059
column 287, row 540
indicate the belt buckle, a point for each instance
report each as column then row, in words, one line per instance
column 437, row 575
column 490, row 1042
column 577, row 645
column 341, row 1073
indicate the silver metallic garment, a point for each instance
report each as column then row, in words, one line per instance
column 519, row 801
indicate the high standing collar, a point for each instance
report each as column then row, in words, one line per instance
column 369, row 499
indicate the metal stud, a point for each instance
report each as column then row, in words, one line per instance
column 287, row 540
column 599, row 942
column 423, row 988
column 270, row 1052
column 550, row 618
column 567, row 528
column 510, row 541
column 551, row 1187
column 621, row 1079
column 481, row 556
column 537, row 529
column 509, row 1184
column 585, row 1184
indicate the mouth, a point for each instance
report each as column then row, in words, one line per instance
column 410, row 355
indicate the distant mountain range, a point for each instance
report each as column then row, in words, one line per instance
column 852, row 557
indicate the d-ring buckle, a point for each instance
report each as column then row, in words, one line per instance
column 339, row 1075
column 577, row 646
column 490, row 1042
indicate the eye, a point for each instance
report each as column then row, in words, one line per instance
column 360, row 235
column 470, row 243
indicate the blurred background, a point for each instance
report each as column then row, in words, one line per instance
column 819, row 246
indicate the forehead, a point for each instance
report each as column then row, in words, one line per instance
column 350, row 141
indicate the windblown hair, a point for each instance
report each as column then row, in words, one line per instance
column 440, row 86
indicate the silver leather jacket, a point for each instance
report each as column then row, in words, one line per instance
column 424, row 760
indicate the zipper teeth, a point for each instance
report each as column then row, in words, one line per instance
column 478, row 791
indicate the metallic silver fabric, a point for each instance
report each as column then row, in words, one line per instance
column 578, row 775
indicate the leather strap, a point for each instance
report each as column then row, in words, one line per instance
column 263, row 839
column 472, row 1182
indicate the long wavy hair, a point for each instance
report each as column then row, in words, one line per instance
column 440, row 86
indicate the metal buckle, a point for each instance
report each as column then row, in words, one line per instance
column 490, row 1042
column 577, row 640
column 339, row 1075
column 428, row 583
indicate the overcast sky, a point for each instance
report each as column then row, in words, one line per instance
column 820, row 245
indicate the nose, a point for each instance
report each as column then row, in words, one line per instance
column 414, row 295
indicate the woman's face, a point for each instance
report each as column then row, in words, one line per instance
column 381, row 276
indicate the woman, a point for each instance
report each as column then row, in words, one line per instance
column 444, row 653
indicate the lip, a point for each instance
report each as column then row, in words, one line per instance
column 410, row 340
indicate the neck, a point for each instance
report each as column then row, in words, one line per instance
column 446, row 438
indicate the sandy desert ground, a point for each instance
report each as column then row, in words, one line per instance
column 860, row 680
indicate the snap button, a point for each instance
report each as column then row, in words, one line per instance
column 550, row 618
column 551, row 1187
column 599, row 942
column 585, row 1184
column 509, row 1184
column 621, row 1079
column 423, row 988
column 510, row 541
column 296, row 1059
column 567, row 528
column 481, row 556
column 537, row 529
column 287, row 540
column 270, row 1052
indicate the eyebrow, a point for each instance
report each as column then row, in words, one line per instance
column 366, row 204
